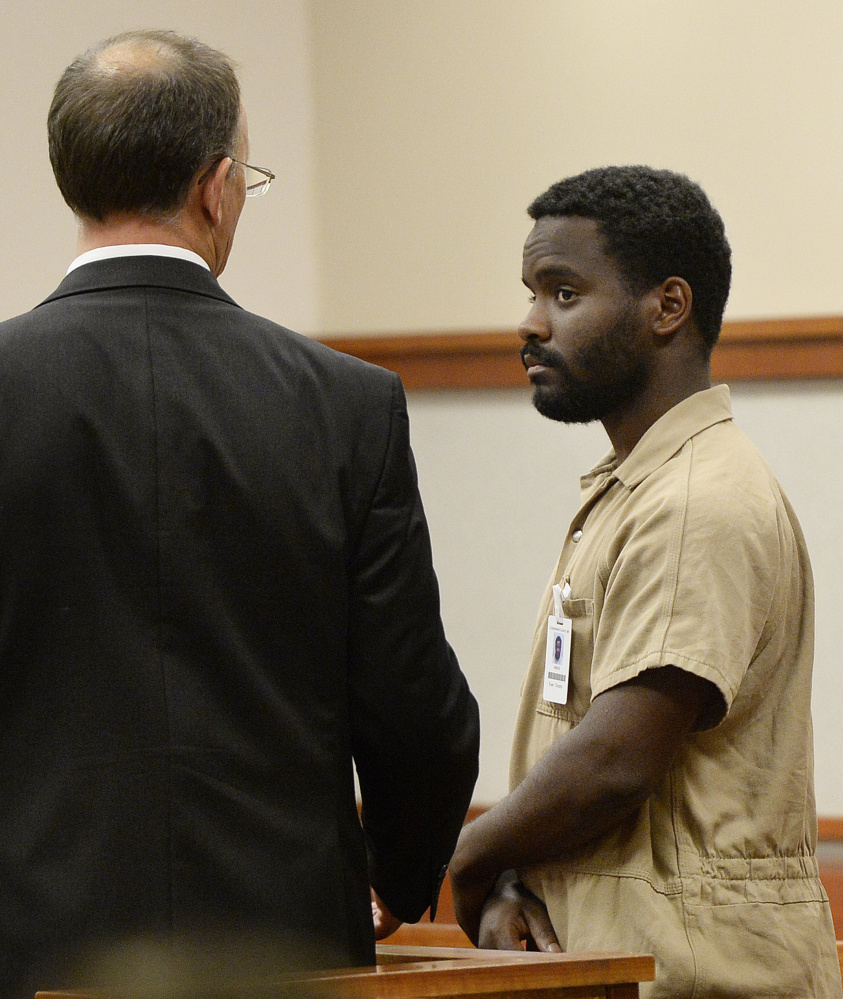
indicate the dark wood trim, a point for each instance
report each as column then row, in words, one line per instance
column 442, row 360
column 764, row 349
column 749, row 350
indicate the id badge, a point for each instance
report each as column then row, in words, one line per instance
column 557, row 660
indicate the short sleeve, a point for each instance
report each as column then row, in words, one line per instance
column 691, row 574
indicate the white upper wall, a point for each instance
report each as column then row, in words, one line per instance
column 440, row 120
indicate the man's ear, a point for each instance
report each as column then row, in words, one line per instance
column 213, row 189
column 675, row 300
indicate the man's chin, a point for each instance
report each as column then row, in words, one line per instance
column 560, row 408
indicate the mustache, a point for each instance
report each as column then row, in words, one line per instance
column 537, row 353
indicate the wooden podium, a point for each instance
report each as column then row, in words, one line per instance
column 413, row 972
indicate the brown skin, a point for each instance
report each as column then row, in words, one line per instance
column 579, row 292
column 589, row 780
column 601, row 771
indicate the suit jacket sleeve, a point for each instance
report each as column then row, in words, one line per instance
column 414, row 722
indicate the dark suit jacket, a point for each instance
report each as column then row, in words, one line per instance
column 216, row 590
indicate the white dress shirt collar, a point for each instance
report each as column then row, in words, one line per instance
column 136, row 250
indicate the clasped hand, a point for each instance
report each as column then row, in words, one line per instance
column 385, row 923
column 509, row 917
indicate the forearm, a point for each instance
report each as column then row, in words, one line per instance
column 586, row 784
column 575, row 793
column 550, row 815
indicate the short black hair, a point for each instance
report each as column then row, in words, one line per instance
column 135, row 117
column 657, row 224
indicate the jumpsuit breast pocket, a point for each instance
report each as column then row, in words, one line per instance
column 580, row 610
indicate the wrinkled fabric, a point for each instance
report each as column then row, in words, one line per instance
column 690, row 555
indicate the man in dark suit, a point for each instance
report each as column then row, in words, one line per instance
column 216, row 587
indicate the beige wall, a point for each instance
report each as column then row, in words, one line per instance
column 408, row 137
column 439, row 120
column 272, row 270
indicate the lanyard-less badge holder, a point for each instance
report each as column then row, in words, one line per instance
column 557, row 659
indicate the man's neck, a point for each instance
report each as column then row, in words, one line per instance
column 626, row 429
column 123, row 230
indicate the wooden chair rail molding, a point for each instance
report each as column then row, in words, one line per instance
column 830, row 828
column 749, row 350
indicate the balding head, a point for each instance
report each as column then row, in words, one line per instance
column 135, row 118
column 137, row 52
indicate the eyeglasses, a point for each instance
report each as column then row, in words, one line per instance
column 258, row 178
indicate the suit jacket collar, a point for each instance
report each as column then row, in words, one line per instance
column 140, row 272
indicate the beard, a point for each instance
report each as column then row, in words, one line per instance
column 617, row 375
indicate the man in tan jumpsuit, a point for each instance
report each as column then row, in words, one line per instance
column 662, row 777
